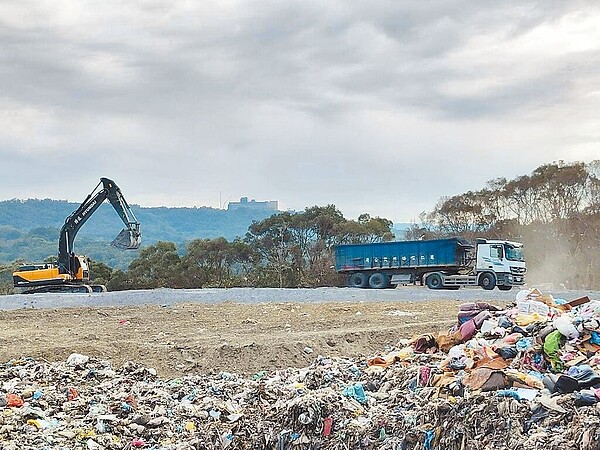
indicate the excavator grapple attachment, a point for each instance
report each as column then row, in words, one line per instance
column 127, row 240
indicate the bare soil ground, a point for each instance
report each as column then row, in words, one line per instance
column 199, row 338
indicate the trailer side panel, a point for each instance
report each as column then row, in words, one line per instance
column 440, row 253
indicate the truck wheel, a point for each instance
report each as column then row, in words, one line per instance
column 434, row 281
column 358, row 280
column 505, row 288
column 487, row 281
column 379, row 280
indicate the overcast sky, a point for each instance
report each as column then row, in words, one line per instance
column 379, row 107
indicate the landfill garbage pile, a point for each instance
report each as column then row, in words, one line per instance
column 525, row 377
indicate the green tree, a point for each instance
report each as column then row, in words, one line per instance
column 314, row 234
column 422, row 230
column 6, row 280
column 272, row 239
column 100, row 273
column 464, row 215
column 217, row 262
column 243, row 261
column 157, row 266
column 120, row 281
column 365, row 230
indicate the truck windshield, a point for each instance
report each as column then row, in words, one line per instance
column 514, row 253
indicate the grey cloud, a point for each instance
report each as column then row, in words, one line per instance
column 288, row 52
column 277, row 95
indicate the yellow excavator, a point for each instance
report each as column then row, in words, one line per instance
column 71, row 273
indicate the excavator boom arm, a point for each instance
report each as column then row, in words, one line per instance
column 129, row 238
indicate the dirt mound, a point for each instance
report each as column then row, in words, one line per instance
column 200, row 338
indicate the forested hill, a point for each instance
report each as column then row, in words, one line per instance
column 165, row 224
column 29, row 228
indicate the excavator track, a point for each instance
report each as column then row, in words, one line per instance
column 63, row 289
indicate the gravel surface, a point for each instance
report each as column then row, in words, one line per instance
column 182, row 332
column 260, row 295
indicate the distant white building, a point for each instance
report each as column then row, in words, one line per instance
column 244, row 203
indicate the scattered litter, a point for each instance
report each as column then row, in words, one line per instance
column 399, row 313
column 512, row 378
column 77, row 360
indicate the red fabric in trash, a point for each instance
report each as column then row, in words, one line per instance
column 13, row 400
column 467, row 330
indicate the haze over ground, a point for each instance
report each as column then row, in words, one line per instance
column 378, row 108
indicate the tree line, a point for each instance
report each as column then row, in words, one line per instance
column 284, row 250
column 554, row 211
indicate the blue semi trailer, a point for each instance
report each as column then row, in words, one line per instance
column 438, row 264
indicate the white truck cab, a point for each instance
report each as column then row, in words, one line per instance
column 496, row 263
column 503, row 259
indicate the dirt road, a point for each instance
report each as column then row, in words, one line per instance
column 183, row 338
